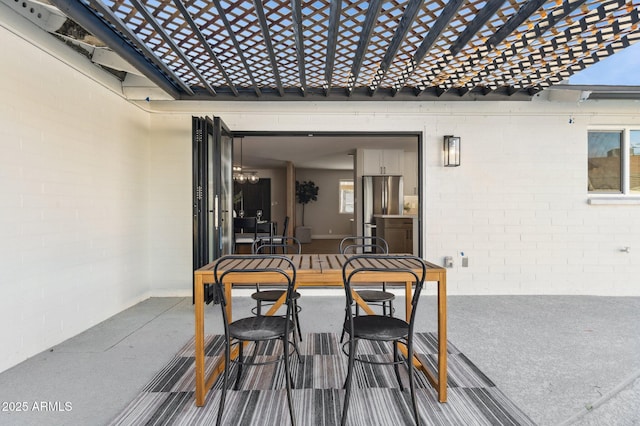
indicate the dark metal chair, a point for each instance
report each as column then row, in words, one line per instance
column 245, row 231
column 256, row 328
column 279, row 245
column 285, row 225
column 381, row 328
column 364, row 245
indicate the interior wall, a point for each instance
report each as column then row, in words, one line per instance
column 74, row 167
column 323, row 216
column 278, row 194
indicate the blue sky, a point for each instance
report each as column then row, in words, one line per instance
column 622, row 69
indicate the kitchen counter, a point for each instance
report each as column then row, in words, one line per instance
column 397, row 230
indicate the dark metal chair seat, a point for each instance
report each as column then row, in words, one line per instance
column 272, row 295
column 378, row 327
column 376, row 296
column 259, row 328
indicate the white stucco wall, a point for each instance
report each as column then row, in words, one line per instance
column 74, row 173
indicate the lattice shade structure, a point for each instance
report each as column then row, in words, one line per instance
column 358, row 49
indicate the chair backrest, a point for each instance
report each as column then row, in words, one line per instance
column 284, row 245
column 265, row 268
column 245, row 225
column 381, row 268
column 360, row 244
column 284, row 226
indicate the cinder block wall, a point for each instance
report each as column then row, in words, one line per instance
column 74, row 181
column 516, row 207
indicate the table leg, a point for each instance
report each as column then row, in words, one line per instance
column 276, row 305
column 442, row 338
column 227, row 297
column 360, row 301
column 199, row 341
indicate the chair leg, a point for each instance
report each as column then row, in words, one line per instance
column 412, row 385
column 353, row 343
column 239, row 363
column 287, row 372
column 225, row 378
column 396, row 366
column 258, row 307
column 297, row 319
column 295, row 347
column 344, row 330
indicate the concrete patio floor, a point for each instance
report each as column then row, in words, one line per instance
column 562, row 359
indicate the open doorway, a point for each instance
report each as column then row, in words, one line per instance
column 330, row 159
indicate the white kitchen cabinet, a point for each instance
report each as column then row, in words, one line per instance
column 410, row 181
column 383, row 161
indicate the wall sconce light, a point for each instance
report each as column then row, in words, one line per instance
column 451, row 150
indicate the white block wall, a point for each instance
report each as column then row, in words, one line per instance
column 517, row 207
column 74, row 173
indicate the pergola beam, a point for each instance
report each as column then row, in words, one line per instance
column 299, row 36
column 187, row 16
column 332, row 39
column 236, row 45
column 167, row 39
column 408, row 17
column 363, row 43
column 264, row 26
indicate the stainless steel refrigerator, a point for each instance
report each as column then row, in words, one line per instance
column 380, row 195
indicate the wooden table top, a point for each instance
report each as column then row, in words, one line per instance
column 318, row 269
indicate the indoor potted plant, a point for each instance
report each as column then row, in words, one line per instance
column 306, row 192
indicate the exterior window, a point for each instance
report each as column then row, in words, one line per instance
column 634, row 162
column 346, row 196
column 614, row 162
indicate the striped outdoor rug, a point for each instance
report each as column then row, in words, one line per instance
column 473, row 399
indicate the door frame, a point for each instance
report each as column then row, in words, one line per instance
column 419, row 135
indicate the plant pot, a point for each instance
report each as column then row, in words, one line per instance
column 303, row 234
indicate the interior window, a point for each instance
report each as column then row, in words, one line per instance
column 346, row 196
column 634, row 163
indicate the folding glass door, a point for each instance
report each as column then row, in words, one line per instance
column 212, row 144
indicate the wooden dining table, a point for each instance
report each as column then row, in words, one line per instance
column 316, row 270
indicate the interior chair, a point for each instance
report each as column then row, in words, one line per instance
column 245, row 231
column 364, row 245
column 381, row 328
column 266, row 297
column 284, row 230
column 256, row 328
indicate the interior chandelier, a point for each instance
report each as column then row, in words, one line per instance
column 238, row 173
